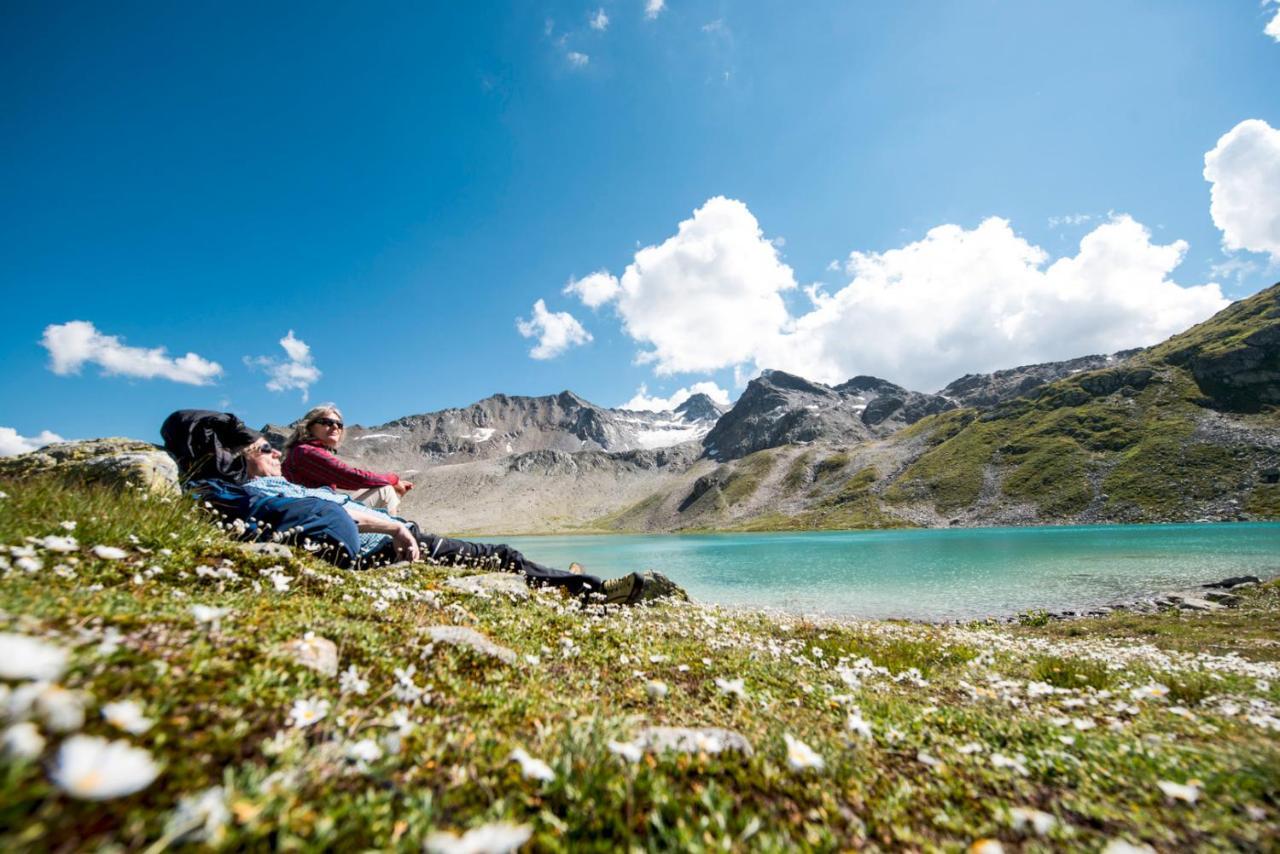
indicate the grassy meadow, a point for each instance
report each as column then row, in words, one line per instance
column 163, row 687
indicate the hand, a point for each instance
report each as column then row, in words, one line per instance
column 402, row 487
column 406, row 544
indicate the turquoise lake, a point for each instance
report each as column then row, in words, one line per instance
column 930, row 574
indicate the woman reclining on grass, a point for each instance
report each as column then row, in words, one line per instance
column 310, row 459
column 405, row 541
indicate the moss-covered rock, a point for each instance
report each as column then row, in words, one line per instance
column 113, row 460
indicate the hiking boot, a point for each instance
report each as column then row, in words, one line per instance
column 625, row 590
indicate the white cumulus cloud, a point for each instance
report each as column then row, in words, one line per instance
column 643, row 401
column 654, row 8
column 600, row 20
column 1244, row 171
column 576, row 59
column 12, row 443
column 594, row 290
column 704, row 298
column 956, row 301
column 1273, row 26
column 74, row 344
column 555, row 331
column 297, row 371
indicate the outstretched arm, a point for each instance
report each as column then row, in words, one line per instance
column 370, row 522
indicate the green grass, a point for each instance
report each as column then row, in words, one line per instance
column 746, row 476
column 797, row 473
column 220, row 699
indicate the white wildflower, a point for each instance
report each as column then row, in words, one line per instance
column 29, row 564
column 986, row 846
column 202, row 817
column 1040, row 689
column 109, row 553
column 928, row 759
column 1017, row 763
column 733, row 687
column 1026, row 817
column 656, row 689
column 530, row 767
column 1188, row 792
column 307, row 712
column 126, row 715
column 1084, row 724
column 856, row 724
column 209, row 614
column 67, row 525
column 22, row 741
column 626, row 749
column 23, row 657
column 364, row 750
column 800, row 756
column 971, row 747
column 1153, row 691
column 110, row 641
column 95, row 769
column 1120, row 846
column 61, row 709
column 496, row 838
column 61, row 545
column 351, row 682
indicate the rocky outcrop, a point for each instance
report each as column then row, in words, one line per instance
column 1235, row 355
column 114, row 460
column 887, row 406
column 984, row 391
column 778, row 408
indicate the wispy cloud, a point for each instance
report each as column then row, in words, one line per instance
column 296, row 371
column 654, row 8
column 556, row 331
column 599, row 21
column 78, row 343
column 577, row 59
column 1273, row 27
column 1069, row 219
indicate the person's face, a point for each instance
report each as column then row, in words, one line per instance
column 327, row 430
column 262, row 460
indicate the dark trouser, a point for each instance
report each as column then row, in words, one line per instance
column 501, row 558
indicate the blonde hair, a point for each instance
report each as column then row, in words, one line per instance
column 302, row 429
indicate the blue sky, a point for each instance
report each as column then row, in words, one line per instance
column 398, row 189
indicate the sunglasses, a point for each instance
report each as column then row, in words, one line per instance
column 328, row 422
column 261, row 450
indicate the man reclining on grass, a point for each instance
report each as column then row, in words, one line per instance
column 403, row 540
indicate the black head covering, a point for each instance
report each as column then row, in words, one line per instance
column 203, row 443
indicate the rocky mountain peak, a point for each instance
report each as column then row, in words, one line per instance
column 700, row 407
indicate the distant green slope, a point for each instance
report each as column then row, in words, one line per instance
column 1172, row 434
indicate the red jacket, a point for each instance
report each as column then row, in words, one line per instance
column 311, row 464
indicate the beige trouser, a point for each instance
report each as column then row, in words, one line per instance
column 377, row 496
